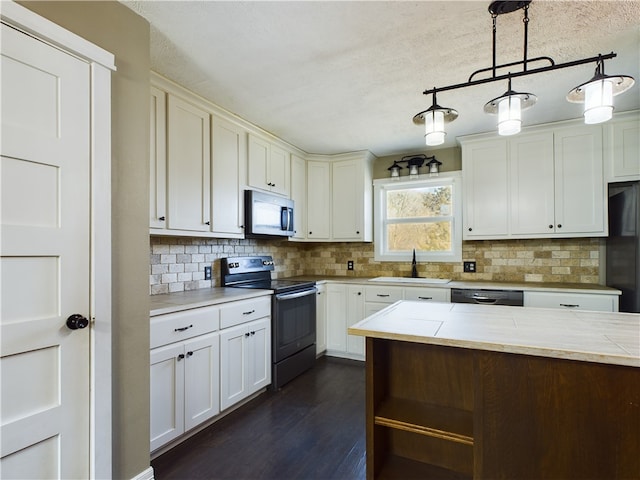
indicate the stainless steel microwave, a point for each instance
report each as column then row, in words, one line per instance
column 267, row 214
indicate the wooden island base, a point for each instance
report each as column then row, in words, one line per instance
column 450, row 412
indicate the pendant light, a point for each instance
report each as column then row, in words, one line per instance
column 597, row 94
column 434, row 119
column 509, row 107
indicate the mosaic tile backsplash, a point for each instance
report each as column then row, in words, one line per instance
column 177, row 264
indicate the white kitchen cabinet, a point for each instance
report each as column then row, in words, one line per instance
column 228, row 174
column 351, row 200
column 579, row 184
column 184, row 372
column 245, row 361
column 531, row 182
column 318, row 200
column 572, row 301
column 299, row 196
column 345, row 306
column 545, row 183
column 384, row 294
column 622, row 147
column 158, row 159
column 269, row 166
column 321, row 318
column 188, row 166
column 486, row 189
column 427, row 294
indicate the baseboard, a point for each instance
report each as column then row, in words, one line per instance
column 145, row 475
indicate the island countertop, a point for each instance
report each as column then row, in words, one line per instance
column 610, row 338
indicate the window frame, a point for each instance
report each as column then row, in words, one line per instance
column 381, row 186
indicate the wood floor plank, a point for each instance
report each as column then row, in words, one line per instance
column 312, row 428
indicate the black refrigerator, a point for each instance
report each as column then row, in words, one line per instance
column 623, row 243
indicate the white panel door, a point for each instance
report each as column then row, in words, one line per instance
column 233, row 367
column 158, row 159
column 259, row 351
column 45, row 260
column 347, row 200
column 318, row 200
column 355, row 309
column 201, row 379
column 337, row 318
column 280, row 171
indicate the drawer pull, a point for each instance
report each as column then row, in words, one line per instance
column 569, row 305
column 425, row 298
column 182, row 329
column 249, row 312
column 382, row 295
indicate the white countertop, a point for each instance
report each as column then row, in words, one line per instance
column 204, row 297
column 599, row 337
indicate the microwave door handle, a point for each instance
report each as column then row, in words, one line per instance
column 284, row 218
column 290, row 226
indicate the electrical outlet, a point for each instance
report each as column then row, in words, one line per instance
column 207, row 273
column 349, row 264
column 469, row 267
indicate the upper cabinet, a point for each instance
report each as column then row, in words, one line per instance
column 544, row 183
column 340, row 198
column 269, row 166
column 188, row 166
column 158, row 159
column 299, row 195
column 622, row 147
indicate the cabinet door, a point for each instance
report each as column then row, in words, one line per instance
column 347, row 200
column 299, row 196
column 426, row 294
column 189, row 162
column 201, row 379
column 336, row 318
column 572, row 301
column 259, row 355
column 321, row 319
column 318, row 201
column 258, row 163
column 158, row 159
column 233, row 368
column 279, row 175
column 355, row 310
column 579, row 184
column 486, row 199
column 532, row 185
column 167, row 394
column 623, row 145
column 228, row 171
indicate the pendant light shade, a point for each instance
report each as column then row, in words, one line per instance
column 434, row 119
column 509, row 107
column 597, row 94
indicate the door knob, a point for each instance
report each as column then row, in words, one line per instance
column 76, row 321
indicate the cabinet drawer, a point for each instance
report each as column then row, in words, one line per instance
column 575, row 301
column 382, row 294
column 428, row 294
column 235, row 313
column 174, row 327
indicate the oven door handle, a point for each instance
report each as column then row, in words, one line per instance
column 290, row 296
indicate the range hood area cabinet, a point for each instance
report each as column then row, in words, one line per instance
column 545, row 183
column 338, row 197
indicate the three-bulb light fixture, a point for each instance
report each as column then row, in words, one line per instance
column 414, row 162
column 597, row 94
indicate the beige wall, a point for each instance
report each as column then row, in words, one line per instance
column 117, row 29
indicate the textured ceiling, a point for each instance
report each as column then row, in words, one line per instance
column 339, row 76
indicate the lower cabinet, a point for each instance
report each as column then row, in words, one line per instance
column 345, row 306
column 184, row 386
column 321, row 318
column 574, row 301
column 245, row 360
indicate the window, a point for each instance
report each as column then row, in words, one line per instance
column 423, row 214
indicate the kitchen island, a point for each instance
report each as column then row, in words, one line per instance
column 472, row 391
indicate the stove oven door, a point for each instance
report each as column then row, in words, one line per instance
column 293, row 323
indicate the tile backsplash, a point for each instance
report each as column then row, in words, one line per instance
column 177, row 263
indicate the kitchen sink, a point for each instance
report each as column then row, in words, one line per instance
column 410, row 280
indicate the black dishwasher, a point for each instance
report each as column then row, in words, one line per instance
column 487, row 296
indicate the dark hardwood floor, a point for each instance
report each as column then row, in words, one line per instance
column 313, row 428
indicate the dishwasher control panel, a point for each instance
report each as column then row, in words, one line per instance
column 487, row 296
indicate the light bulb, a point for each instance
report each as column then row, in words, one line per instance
column 434, row 128
column 598, row 101
column 509, row 117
